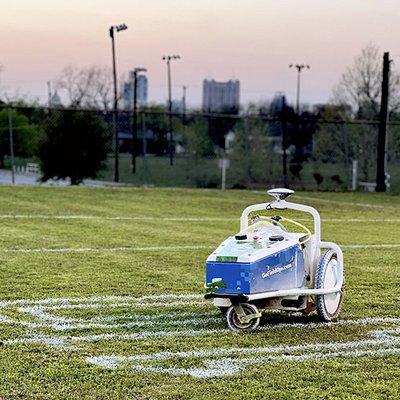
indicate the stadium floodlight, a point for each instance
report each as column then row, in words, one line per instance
column 118, row 28
column 168, row 62
column 121, row 27
column 299, row 68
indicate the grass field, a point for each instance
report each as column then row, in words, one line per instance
column 100, row 297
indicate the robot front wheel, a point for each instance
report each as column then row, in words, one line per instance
column 243, row 317
column 328, row 305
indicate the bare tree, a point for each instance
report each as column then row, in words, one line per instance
column 360, row 84
column 87, row 87
column 102, row 94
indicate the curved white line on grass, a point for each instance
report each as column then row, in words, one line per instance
column 218, row 362
column 60, row 323
column 229, row 367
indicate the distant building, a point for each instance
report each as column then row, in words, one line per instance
column 176, row 106
column 278, row 104
column 220, row 96
column 141, row 91
column 55, row 100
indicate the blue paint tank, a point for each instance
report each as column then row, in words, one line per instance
column 284, row 269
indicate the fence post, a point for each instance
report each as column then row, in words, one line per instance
column 354, row 175
column 381, row 162
column 11, row 134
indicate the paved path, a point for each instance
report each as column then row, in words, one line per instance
column 32, row 180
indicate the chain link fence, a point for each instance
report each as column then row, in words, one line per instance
column 307, row 152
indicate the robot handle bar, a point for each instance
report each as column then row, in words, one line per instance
column 283, row 205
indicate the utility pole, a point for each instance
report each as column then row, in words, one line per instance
column 299, row 68
column 171, row 138
column 382, row 150
column 134, row 122
column 284, row 142
column 112, row 30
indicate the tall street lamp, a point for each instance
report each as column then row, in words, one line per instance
column 136, row 71
column 113, row 29
column 299, row 68
column 171, row 139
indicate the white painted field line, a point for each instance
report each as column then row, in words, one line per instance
column 156, row 316
column 228, row 367
column 343, row 203
column 384, row 337
column 191, row 332
column 61, row 302
column 319, row 199
column 178, row 219
column 116, row 218
column 372, row 246
column 181, row 332
column 218, row 362
column 61, row 323
column 106, row 249
column 162, row 248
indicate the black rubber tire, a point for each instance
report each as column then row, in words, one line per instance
column 322, row 308
column 235, row 325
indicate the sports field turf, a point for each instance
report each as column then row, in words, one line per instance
column 100, row 297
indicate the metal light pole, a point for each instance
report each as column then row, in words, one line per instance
column 134, row 122
column 112, row 30
column 382, row 150
column 299, row 68
column 171, row 139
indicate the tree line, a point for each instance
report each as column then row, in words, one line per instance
column 74, row 143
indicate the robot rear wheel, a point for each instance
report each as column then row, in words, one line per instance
column 328, row 305
column 234, row 320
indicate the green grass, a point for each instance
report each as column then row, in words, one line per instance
column 205, row 172
column 39, row 371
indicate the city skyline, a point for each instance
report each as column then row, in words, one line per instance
column 251, row 41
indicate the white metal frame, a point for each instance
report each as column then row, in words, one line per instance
column 316, row 246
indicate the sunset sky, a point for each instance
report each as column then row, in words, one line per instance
column 253, row 41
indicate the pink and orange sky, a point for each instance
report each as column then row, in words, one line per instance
column 251, row 40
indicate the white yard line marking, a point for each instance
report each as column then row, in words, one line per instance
column 177, row 219
column 107, row 249
column 381, row 341
column 219, row 362
column 64, row 301
column 116, row 218
column 372, row 246
column 162, row 248
column 319, row 199
column 343, row 203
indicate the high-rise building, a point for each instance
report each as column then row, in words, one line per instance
column 141, row 90
column 220, row 96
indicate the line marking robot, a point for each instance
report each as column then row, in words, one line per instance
column 266, row 267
